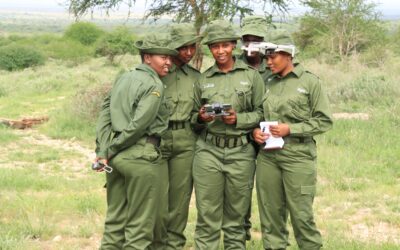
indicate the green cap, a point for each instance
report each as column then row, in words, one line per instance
column 219, row 31
column 255, row 26
column 183, row 34
column 281, row 37
column 156, row 44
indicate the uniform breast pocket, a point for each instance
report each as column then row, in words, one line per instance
column 300, row 107
column 208, row 96
column 170, row 104
column 243, row 97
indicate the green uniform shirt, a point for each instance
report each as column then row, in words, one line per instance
column 179, row 91
column 299, row 100
column 133, row 109
column 263, row 69
column 242, row 87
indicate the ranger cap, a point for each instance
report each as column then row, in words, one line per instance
column 156, row 44
column 281, row 37
column 183, row 34
column 255, row 26
column 219, row 31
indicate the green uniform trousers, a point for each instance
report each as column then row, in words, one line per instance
column 285, row 182
column 223, row 178
column 137, row 199
column 180, row 157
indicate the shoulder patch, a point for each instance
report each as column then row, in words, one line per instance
column 156, row 93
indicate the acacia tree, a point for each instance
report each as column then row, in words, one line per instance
column 339, row 27
column 198, row 11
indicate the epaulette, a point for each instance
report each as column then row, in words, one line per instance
column 311, row 73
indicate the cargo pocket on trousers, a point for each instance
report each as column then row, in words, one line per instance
column 308, row 190
column 308, row 193
column 151, row 153
column 306, row 202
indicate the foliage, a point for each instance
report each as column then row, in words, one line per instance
column 84, row 32
column 53, row 46
column 118, row 42
column 87, row 101
column 15, row 57
column 66, row 49
column 199, row 12
column 395, row 41
column 339, row 27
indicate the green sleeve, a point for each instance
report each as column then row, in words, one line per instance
column 321, row 119
column 103, row 129
column 145, row 114
column 248, row 120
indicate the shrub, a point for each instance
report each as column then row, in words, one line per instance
column 118, row 42
column 87, row 102
column 84, row 32
column 369, row 90
column 14, row 57
column 66, row 49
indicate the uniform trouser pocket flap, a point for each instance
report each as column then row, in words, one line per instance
column 308, row 190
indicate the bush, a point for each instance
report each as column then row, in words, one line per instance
column 66, row 49
column 367, row 90
column 15, row 57
column 374, row 56
column 84, row 32
column 395, row 41
column 118, row 42
column 87, row 102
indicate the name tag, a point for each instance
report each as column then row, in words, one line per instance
column 301, row 90
column 208, row 85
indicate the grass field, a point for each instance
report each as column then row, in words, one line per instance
column 50, row 199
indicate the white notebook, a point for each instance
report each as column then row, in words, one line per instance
column 272, row 142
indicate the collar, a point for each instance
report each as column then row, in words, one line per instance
column 261, row 68
column 184, row 68
column 148, row 69
column 297, row 71
column 238, row 65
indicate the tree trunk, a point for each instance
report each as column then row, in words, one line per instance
column 198, row 57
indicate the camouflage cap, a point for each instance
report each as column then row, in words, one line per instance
column 183, row 34
column 281, row 37
column 255, row 26
column 156, row 44
column 219, row 31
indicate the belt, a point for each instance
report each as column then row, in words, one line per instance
column 175, row 125
column 155, row 140
column 289, row 139
column 226, row 142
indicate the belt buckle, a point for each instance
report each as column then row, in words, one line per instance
column 226, row 142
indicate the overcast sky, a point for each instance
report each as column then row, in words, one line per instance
column 387, row 7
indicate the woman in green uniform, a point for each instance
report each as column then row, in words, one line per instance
column 224, row 162
column 131, row 122
column 286, row 178
column 180, row 140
